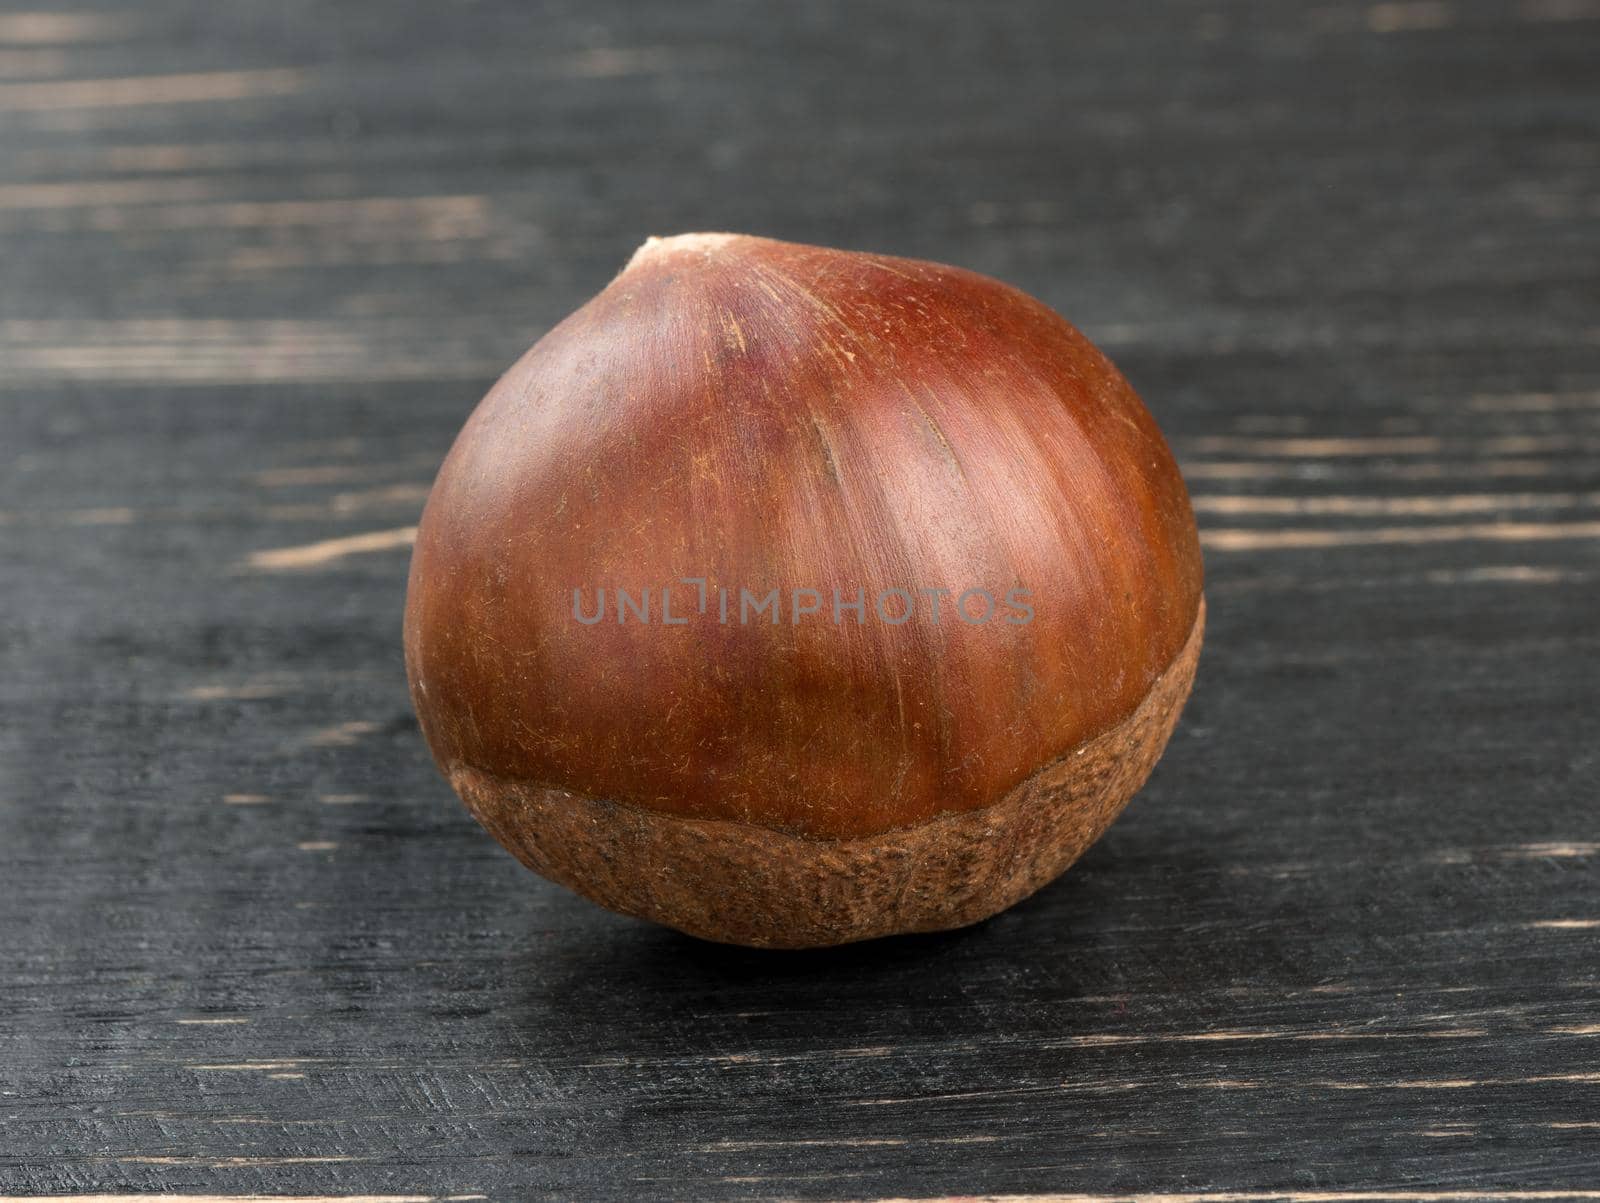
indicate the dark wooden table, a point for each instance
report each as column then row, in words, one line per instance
column 258, row 260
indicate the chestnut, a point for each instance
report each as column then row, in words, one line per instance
column 792, row 596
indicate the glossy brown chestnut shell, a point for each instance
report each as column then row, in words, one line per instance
column 761, row 415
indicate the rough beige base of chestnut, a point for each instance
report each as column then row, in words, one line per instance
column 742, row 884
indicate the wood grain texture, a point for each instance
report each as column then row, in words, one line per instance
column 259, row 260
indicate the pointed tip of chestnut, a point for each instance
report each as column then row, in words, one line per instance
column 747, row 416
column 705, row 243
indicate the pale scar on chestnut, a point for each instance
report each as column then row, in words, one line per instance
column 984, row 566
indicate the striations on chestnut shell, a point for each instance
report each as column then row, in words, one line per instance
column 766, row 415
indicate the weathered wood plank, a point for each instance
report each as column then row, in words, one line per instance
column 259, row 261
